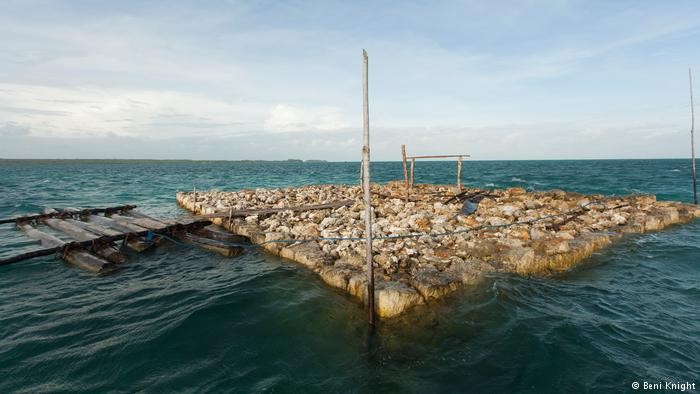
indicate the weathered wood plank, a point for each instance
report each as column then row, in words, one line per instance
column 76, row 256
column 120, row 225
column 214, row 246
column 102, row 249
column 142, row 222
column 133, row 244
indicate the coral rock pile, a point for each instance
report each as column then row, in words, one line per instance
column 425, row 248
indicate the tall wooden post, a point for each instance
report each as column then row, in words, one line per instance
column 194, row 204
column 459, row 174
column 405, row 170
column 692, row 136
column 367, row 188
column 413, row 166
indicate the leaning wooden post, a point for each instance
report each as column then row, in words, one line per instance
column 194, row 203
column 692, row 137
column 413, row 166
column 230, row 214
column 459, row 174
column 405, row 170
column 367, row 189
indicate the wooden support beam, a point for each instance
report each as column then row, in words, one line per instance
column 437, row 156
column 413, row 167
column 88, row 211
column 405, row 169
column 367, row 192
column 459, row 174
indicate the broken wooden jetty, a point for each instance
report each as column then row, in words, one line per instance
column 94, row 239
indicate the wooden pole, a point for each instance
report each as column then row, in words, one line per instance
column 405, row 170
column 692, row 137
column 413, row 166
column 194, row 204
column 366, row 187
column 459, row 174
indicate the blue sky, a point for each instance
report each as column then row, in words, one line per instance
column 277, row 80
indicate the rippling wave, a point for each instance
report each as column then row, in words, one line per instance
column 180, row 319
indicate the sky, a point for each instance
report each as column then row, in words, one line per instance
column 234, row 80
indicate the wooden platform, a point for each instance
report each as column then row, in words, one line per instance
column 95, row 239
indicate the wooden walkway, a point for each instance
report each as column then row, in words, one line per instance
column 94, row 239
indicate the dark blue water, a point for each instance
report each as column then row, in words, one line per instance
column 179, row 319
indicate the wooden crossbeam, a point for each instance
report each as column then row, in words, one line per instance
column 88, row 211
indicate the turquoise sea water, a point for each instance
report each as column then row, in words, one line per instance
column 183, row 320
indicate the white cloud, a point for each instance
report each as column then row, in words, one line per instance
column 96, row 111
column 284, row 118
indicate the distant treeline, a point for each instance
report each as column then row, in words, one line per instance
column 156, row 160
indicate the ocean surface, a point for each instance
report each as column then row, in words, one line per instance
column 178, row 319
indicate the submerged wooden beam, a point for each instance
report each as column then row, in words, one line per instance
column 75, row 256
column 213, row 232
column 219, row 247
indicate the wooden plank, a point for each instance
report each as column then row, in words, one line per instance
column 141, row 222
column 437, row 156
column 133, row 244
column 75, row 256
column 122, row 226
column 106, row 250
column 267, row 211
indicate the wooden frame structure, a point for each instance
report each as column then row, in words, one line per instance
column 409, row 179
column 95, row 242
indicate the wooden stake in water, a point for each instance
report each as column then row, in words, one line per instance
column 692, row 137
column 405, row 169
column 459, row 174
column 413, row 167
column 367, row 189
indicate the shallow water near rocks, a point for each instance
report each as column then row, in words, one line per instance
column 181, row 319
